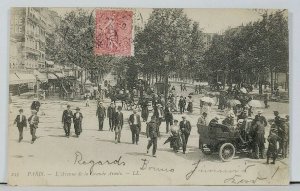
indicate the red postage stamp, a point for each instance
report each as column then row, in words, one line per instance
column 113, row 32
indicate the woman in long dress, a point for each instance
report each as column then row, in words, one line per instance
column 175, row 142
column 190, row 104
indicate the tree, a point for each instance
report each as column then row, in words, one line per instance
column 74, row 43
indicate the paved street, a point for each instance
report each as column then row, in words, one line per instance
column 51, row 145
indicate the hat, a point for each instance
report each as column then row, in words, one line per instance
column 33, row 111
column 68, row 106
column 204, row 113
column 216, row 118
column 21, row 110
column 276, row 112
column 77, row 108
column 175, row 120
column 183, row 117
column 259, row 111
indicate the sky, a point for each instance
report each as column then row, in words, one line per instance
column 210, row 20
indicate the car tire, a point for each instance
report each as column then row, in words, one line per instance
column 226, row 152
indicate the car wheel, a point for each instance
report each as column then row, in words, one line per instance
column 226, row 152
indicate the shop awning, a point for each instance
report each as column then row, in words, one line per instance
column 51, row 76
column 41, row 76
column 26, row 78
column 13, row 79
column 49, row 62
column 61, row 75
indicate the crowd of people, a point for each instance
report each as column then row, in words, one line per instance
column 252, row 130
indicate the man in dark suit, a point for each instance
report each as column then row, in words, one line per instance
column 181, row 104
column 152, row 132
column 101, row 114
column 67, row 120
column 21, row 123
column 33, row 124
column 111, row 110
column 135, row 126
column 118, row 124
column 185, row 128
column 35, row 105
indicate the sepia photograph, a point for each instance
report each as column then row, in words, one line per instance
column 162, row 96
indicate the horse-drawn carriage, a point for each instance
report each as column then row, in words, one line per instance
column 224, row 140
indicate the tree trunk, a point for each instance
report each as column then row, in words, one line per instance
column 272, row 81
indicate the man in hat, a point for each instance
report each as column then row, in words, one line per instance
column 101, row 114
column 111, row 110
column 201, row 124
column 118, row 124
column 181, row 104
column 135, row 126
column 272, row 148
column 277, row 118
column 229, row 120
column 185, row 128
column 152, row 131
column 283, row 133
column 214, row 121
column 260, row 117
column 33, row 124
column 35, row 105
column 77, row 120
column 21, row 123
column 67, row 120
column 259, row 138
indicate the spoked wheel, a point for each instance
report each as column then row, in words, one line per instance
column 227, row 152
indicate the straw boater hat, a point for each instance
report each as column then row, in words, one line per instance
column 259, row 112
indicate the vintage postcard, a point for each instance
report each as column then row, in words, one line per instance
column 130, row 96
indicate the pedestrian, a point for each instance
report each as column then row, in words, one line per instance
column 283, row 133
column 259, row 138
column 185, row 128
column 168, row 119
column 145, row 110
column 184, row 87
column 273, row 138
column 118, row 124
column 181, row 104
column 159, row 114
column 135, row 126
column 111, row 110
column 67, row 120
column 258, row 117
column 152, row 132
column 87, row 101
column 77, row 120
column 181, row 87
column 190, row 104
column 277, row 118
column 35, row 105
column 196, row 89
column 101, row 114
column 201, row 125
column 33, row 121
column 214, row 121
column 266, row 101
column 229, row 120
column 175, row 134
column 21, row 123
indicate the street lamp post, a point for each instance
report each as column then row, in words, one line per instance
column 166, row 60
